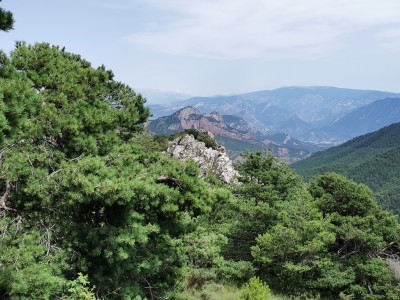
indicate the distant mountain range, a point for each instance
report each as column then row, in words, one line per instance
column 162, row 97
column 372, row 159
column 314, row 114
column 234, row 133
column 368, row 118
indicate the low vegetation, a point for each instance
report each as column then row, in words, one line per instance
column 199, row 135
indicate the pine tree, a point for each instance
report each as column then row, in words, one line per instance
column 6, row 20
column 81, row 189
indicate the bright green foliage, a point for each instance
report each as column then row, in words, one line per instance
column 80, row 289
column 255, row 289
column 361, row 226
column 289, row 252
column 6, row 20
column 92, row 194
column 28, row 269
column 365, row 236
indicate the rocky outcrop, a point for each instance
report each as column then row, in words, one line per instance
column 190, row 118
column 209, row 160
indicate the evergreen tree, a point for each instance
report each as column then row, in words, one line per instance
column 6, row 20
column 365, row 236
column 82, row 191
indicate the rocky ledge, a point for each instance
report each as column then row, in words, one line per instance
column 209, row 160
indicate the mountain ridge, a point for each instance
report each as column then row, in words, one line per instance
column 232, row 132
column 269, row 110
column 372, row 159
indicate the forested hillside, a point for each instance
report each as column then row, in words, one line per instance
column 372, row 159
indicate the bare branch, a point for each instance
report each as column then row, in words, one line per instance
column 6, row 195
column 170, row 181
column 149, row 287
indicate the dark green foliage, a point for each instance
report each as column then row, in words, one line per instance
column 266, row 179
column 99, row 110
column 266, row 184
column 287, row 254
column 365, row 235
column 372, row 159
column 92, row 195
column 335, row 244
column 162, row 140
column 6, row 20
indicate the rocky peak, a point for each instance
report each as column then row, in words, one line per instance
column 216, row 116
column 186, row 112
column 209, row 160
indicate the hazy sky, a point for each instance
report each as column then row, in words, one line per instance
column 206, row 47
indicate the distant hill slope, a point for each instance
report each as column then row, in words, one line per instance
column 365, row 119
column 234, row 133
column 295, row 110
column 372, row 159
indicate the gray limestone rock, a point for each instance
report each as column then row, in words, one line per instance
column 209, row 160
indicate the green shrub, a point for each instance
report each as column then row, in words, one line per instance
column 80, row 289
column 201, row 136
column 255, row 289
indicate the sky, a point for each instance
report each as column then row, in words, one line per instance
column 210, row 47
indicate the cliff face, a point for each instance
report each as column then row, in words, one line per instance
column 209, row 160
column 189, row 117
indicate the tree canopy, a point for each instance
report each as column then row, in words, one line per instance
column 82, row 190
column 6, row 20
